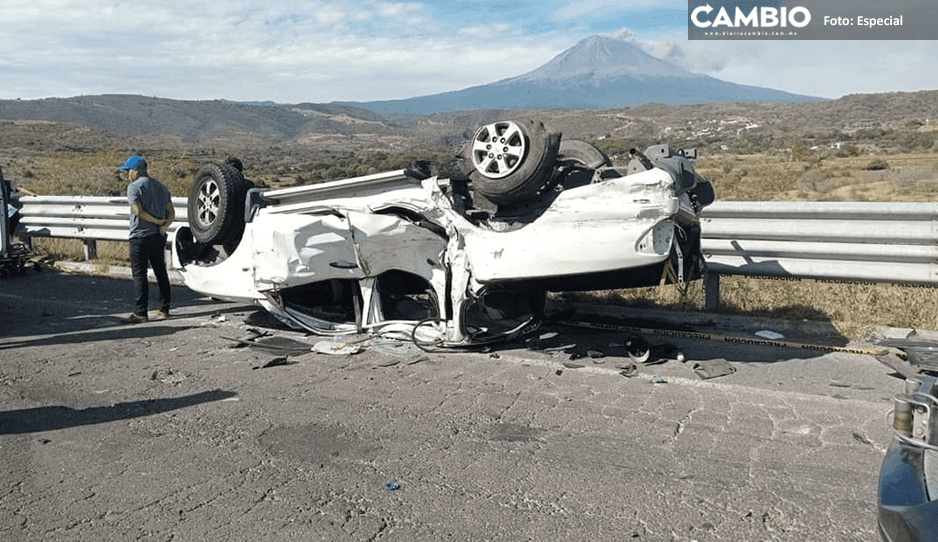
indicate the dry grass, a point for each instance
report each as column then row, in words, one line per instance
column 851, row 308
column 109, row 252
column 94, row 173
column 774, row 177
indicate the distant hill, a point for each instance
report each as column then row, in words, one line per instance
column 116, row 120
column 195, row 120
column 597, row 73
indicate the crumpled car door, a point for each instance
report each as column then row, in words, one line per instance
column 291, row 250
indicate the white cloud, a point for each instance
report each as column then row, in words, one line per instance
column 323, row 50
column 252, row 49
column 828, row 69
column 574, row 9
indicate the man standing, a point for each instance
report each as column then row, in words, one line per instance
column 151, row 213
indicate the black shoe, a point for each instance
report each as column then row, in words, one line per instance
column 136, row 318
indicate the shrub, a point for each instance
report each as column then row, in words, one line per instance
column 877, row 164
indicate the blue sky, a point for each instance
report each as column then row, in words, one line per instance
column 325, row 50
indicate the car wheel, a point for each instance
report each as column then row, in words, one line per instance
column 213, row 210
column 511, row 160
column 580, row 153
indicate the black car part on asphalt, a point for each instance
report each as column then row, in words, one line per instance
column 908, row 479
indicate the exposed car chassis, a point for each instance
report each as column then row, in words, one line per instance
column 447, row 262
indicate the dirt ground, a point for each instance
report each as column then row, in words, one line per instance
column 168, row 431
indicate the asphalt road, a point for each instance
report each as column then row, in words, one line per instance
column 164, row 431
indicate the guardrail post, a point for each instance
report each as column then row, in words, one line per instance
column 91, row 249
column 711, row 292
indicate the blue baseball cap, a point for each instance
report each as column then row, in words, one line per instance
column 134, row 162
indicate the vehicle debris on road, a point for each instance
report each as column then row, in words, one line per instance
column 336, row 349
column 713, row 368
column 277, row 362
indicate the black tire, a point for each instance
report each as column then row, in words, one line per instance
column 582, row 154
column 237, row 227
column 518, row 167
column 214, row 213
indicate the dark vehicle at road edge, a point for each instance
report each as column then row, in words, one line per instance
column 908, row 480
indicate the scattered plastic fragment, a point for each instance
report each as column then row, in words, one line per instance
column 657, row 380
column 341, row 349
column 251, row 334
column 277, row 362
column 560, row 348
column 629, row 370
column 274, row 344
column 771, row 335
column 398, row 349
column 637, row 348
column 595, row 355
column 393, row 485
column 713, row 368
column 569, row 365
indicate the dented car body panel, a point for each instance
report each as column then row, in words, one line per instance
column 601, row 227
column 395, row 253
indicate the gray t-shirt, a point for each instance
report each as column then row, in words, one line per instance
column 153, row 197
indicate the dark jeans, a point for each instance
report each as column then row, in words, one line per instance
column 149, row 251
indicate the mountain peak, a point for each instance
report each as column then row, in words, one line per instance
column 601, row 57
column 597, row 72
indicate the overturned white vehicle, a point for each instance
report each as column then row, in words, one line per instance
column 454, row 261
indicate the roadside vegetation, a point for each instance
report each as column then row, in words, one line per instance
column 772, row 176
column 874, row 161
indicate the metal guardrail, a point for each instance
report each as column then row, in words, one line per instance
column 842, row 241
column 838, row 241
column 89, row 218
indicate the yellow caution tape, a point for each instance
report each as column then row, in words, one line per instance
column 735, row 339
